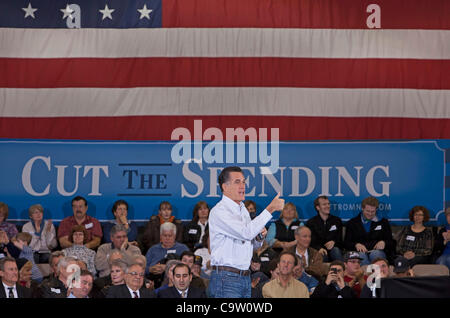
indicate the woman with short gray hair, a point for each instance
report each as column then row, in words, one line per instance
column 43, row 234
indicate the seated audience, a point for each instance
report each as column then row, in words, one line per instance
column 80, row 217
column 83, row 288
column 280, row 235
column 285, row 285
column 79, row 239
column 443, row 242
column 368, row 234
column 416, row 241
column 311, row 258
column 152, row 229
column 120, row 212
column 326, row 231
column 119, row 243
column 182, row 288
column 194, row 231
column 334, row 285
column 43, row 234
column 9, row 228
column 134, row 285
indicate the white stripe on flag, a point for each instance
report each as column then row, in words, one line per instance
column 233, row 42
column 224, row 101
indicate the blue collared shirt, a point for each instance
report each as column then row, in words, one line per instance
column 232, row 233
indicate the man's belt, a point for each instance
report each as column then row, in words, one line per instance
column 232, row 269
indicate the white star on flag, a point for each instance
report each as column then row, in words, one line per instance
column 29, row 11
column 67, row 12
column 145, row 13
column 107, row 12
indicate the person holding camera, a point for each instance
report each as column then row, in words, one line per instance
column 334, row 285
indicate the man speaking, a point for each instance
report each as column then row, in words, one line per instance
column 233, row 236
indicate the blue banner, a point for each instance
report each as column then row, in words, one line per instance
column 400, row 174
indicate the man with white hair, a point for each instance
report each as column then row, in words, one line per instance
column 134, row 285
column 168, row 245
column 57, row 287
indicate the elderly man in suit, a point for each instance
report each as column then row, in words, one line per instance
column 182, row 277
column 133, row 287
column 9, row 275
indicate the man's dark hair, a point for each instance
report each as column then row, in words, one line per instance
column 225, row 175
column 78, row 198
column 338, row 263
column 117, row 203
column 187, row 253
column 272, row 264
column 4, row 260
column 181, row 265
column 85, row 272
column 316, row 201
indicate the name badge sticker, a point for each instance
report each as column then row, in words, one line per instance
column 333, row 228
column 192, row 231
column 410, row 238
column 378, row 228
column 88, row 226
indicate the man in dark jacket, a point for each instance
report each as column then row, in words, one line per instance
column 369, row 235
column 326, row 231
column 182, row 288
column 334, row 286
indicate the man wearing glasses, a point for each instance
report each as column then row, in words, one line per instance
column 133, row 287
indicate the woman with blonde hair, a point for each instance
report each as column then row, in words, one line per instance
column 281, row 232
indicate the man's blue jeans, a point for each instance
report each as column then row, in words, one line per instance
column 225, row 284
column 367, row 258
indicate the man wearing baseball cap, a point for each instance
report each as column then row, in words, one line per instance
column 402, row 267
column 353, row 275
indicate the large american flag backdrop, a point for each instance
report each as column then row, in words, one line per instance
column 137, row 69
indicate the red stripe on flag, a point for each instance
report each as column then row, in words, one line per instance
column 340, row 14
column 161, row 127
column 225, row 72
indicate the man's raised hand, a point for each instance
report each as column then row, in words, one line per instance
column 277, row 204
